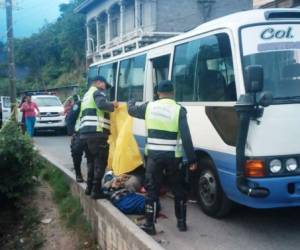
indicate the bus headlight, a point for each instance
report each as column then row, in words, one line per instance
column 291, row 164
column 275, row 166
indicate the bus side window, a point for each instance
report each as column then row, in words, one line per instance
column 109, row 72
column 93, row 71
column 160, row 71
column 203, row 70
column 131, row 79
column 215, row 76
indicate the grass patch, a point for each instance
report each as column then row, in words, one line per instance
column 69, row 206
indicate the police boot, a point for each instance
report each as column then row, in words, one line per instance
column 97, row 192
column 150, row 214
column 78, row 174
column 90, row 177
column 89, row 186
column 180, row 212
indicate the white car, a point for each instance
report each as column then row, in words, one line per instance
column 52, row 115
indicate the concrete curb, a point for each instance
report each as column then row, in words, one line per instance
column 111, row 228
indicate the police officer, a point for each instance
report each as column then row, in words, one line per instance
column 77, row 146
column 94, row 131
column 168, row 131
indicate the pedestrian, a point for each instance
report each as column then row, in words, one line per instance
column 94, row 131
column 77, row 145
column 68, row 106
column 72, row 114
column 167, row 131
column 30, row 111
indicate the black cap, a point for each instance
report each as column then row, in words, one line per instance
column 102, row 79
column 165, row 86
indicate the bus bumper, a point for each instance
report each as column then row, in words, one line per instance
column 284, row 191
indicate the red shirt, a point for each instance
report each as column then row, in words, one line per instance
column 29, row 109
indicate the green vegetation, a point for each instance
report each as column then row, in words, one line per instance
column 55, row 56
column 69, row 207
column 19, row 163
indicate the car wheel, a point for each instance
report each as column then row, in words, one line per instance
column 210, row 194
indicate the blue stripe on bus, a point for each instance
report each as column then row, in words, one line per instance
column 226, row 168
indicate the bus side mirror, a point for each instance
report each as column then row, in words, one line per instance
column 265, row 99
column 254, row 78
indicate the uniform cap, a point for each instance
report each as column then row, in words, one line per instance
column 165, row 86
column 102, row 79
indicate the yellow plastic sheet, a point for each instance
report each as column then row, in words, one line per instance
column 124, row 155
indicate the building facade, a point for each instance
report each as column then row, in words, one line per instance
column 117, row 26
column 276, row 3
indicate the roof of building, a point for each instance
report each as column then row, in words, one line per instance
column 86, row 6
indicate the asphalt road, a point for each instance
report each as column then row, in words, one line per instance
column 245, row 229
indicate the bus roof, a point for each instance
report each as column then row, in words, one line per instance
column 232, row 21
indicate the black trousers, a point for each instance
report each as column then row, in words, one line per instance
column 77, row 149
column 155, row 169
column 97, row 156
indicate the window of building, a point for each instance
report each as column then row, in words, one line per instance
column 203, row 70
column 115, row 27
column 109, row 71
column 102, row 32
column 131, row 78
column 141, row 15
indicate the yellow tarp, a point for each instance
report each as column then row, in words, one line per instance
column 124, row 155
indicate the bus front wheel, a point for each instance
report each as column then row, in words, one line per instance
column 211, row 197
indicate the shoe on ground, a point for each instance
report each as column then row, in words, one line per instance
column 149, row 229
column 79, row 179
column 88, row 191
column 181, row 225
column 98, row 195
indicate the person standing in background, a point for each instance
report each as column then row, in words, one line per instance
column 29, row 110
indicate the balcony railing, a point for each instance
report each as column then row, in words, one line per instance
column 127, row 42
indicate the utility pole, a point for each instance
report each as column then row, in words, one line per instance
column 10, row 48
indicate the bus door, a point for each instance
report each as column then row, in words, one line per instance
column 5, row 108
column 158, row 70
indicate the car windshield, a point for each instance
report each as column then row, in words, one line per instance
column 6, row 102
column 277, row 50
column 47, row 101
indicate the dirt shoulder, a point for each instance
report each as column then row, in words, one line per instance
column 36, row 224
column 56, row 236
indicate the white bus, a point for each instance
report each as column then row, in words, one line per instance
column 239, row 78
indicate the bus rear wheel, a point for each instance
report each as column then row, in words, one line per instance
column 210, row 195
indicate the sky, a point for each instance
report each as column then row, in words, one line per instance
column 29, row 16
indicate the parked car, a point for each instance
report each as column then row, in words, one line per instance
column 5, row 109
column 52, row 115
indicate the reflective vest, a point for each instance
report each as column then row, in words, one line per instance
column 92, row 119
column 162, row 124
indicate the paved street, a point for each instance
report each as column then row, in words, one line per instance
column 245, row 229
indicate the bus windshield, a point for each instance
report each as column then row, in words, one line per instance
column 277, row 49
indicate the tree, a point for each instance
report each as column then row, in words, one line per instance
column 56, row 53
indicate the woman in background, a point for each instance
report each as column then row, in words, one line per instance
column 29, row 110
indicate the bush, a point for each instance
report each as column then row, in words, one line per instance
column 18, row 162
